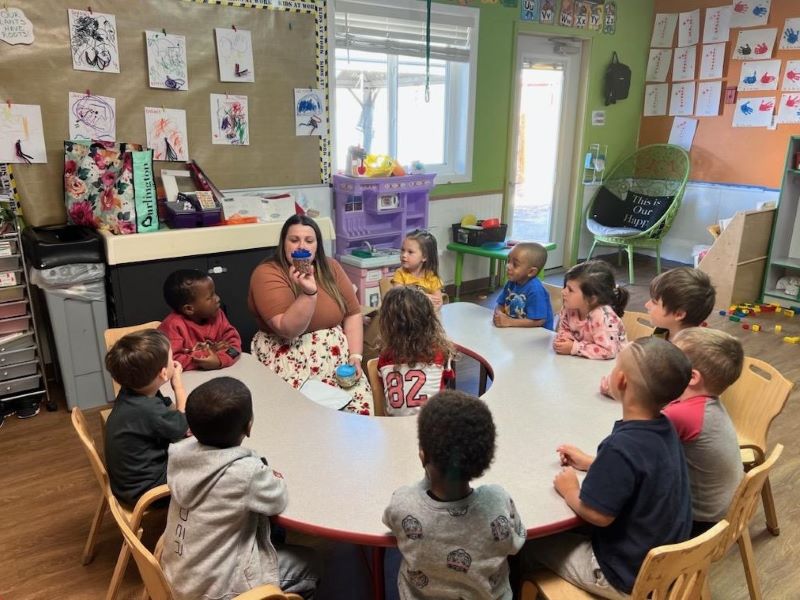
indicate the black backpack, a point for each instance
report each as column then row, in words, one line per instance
column 618, row 81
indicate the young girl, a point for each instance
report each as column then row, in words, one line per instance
column 419, row 265
column 590, row 324
column 415, row 354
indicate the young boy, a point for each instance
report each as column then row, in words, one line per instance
column 200, row 333
column 217, row 540
column 524, row 302
column 143, row 422
column 455, row 540
column 704, row 427
column 679, row 298
column 636, row 491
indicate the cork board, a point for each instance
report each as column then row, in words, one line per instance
column 288, row 52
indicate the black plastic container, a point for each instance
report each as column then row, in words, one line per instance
column 47, row 247
column 479, row 237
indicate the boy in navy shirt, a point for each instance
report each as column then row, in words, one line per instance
column 524, row 302
column 636, row 491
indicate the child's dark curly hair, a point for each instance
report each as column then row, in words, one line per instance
column 456, row 433
column 179, row 287
column 410, row 329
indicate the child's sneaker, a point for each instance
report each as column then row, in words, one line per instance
column 28, row 407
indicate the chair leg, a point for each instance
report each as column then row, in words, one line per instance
column 591, row 250
column 88, row 549
column 629, row 249
column 769, row 508
column 658, row 258
column 378, row 585
column 482, row 380
column 119, row 572
column 750, row 573
column 619, row 256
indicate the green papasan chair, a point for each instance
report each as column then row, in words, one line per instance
column 654, row 178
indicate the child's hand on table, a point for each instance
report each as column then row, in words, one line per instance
column 604, row 388
column 573, row 457
column 501, row 319
column 205, row 357
column 563, row 346
column 566, row 481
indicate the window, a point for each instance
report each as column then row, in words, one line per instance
column 379, row 83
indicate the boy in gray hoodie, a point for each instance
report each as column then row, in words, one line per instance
column 217, row 541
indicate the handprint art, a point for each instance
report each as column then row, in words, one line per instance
column 767, row 78
column 766, row 106
column 791, row 35
column 793, row 101
column 746, row 108
column 750, row 79
column 741, row 7
column 760, row 11
column 761, row 48
column 793, row 75
column 745, row 50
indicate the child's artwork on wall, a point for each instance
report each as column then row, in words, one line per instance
column 682, row 132
column 595, row 16
column 15, row 27
column 755, row 44
column 754, row 112
column 789, row 108
column 689, row 28
column 92, row 117
column 309, row 112
column 664, row 30
column 547, row 12
column 230, row 121
column 529, row 10
column 21, row 134
column 658, row 64
column 791, row 76
column 655, row 99
column 93, row 38
column 712, row 61
column 709, row 94
column 567, row 16
column 717, row 25
column 581, row 20
column 683, row 65
column 610, row 18
column 759, row 75
column 790, row 35
column 235, row 54
column 166, row 60
column 681, row 103
column 749, row 13
column 166, row 133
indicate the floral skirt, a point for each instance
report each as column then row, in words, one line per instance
column 312, row 355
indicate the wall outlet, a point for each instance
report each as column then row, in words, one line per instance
column 730, row 95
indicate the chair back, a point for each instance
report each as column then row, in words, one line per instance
column 637, row 325
column 679, row 571
column 376, row 383
column 745, row 498
column 113, row 334
column 556, row 299
column 98, row 468
column 754, row 400
column 384, row 285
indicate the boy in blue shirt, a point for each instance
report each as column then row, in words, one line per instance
column 524, row 302
column 636, row 491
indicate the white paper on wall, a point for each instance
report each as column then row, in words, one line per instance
column 658, row 64
column 92, row 117
column 21, row 125
column 791, row 76
column 749, row 13
column 235, row 55
column 790, row 35
column 709, row 94
column 789, row 108
column 754, row 112
column 663, row 30
column 759, row 75
column 689, row 28
column 655, row 99
column 681, row 102
column 683, row 65
column 712, row 61
column 755, row 44
column 717, row 24
column 682, row 132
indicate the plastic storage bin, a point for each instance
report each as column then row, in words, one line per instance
column 10, row 294
column 13, row 309
column 478, row 237
column 15, row 324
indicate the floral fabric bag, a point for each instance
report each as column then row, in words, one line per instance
column 98, row 185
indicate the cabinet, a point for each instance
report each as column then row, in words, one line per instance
column 784, row 252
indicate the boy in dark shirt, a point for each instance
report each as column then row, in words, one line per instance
column 143, row 422
column 636, row 491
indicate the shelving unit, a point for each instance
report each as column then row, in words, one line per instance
column 784, row 252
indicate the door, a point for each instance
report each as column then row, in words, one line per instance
column 544, row 128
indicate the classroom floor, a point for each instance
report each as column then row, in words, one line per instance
column 48, row 494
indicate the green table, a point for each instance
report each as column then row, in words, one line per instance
column 495, row 255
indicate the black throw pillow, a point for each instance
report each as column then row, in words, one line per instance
column 643, row 211
column 607, row 209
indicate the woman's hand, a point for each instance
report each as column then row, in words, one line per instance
column 306, row 281
column 355, row 360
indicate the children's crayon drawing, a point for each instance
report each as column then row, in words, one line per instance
column 682, row 132
column 309, row 112
column 166, row 133
column 755, row 44
column 709, row 94
column 689, row 28
column 749, row 13
column 166, row 61
column 235, row 54
column 681, row 102
column 790, row 35
column 754, row 112
column 655, row 99
column 717, row 25
column 15, row 27
column 663, row 30
column 21, row 134
column 759, row 75
column 92, row 117
column 230, row 124
column 683, row 63
column 93, row 38
column 789, row 109
column 791, row 76
column 712, row 61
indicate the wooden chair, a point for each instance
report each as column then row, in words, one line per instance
column 753, row 402
column 156, row 583
column 637, row 324
column 376, row 383
column 130, row 515
column 111, row 336
column 674, row 572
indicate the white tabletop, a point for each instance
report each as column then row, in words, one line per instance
column 341, row 468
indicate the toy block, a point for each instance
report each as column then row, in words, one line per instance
column 745, row 326
column 735, row 319
column 740, row 314
column 778, row 328
column 757, row 309
column 704, row 324
column 789, row 313
column 792, row 340
column 756, row 328
column 733, row 308
column 723, row 313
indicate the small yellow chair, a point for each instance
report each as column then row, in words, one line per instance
column 674, row 572
column 115, row 333
column 637, row 325
column 376, row 383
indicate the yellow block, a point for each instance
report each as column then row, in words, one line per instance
column 755, row 328
column 792, row 340
column 778, row 328
column 788, row 312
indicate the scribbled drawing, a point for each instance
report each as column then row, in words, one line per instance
column 166, row 61
column 166, row 133
column 230, row 123
column 92, row 117
column 93, row 37
column 309, row 112
column 21, row 134
column 235, row 55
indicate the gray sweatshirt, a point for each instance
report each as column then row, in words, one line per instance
column 216, row 544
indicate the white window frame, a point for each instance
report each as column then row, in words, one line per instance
column 459, row 102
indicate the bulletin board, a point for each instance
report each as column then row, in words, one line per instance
column 289, row 51
column 722, row 153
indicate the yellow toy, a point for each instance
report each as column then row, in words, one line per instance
column 788, row 312
column 756, row 328
column 378, row 165
column 792, row 340
column 778, row 328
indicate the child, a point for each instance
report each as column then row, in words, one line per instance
column 704, row 427
column 636, row 491
column 200, row 333
column 217, row 540
column 679, row 298
column 143, row 422
column 454, row 539
column 524, row 302
column 415, row 354
column 589, row 324
column 419, row 265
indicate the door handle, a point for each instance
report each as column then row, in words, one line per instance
column 217, row 270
